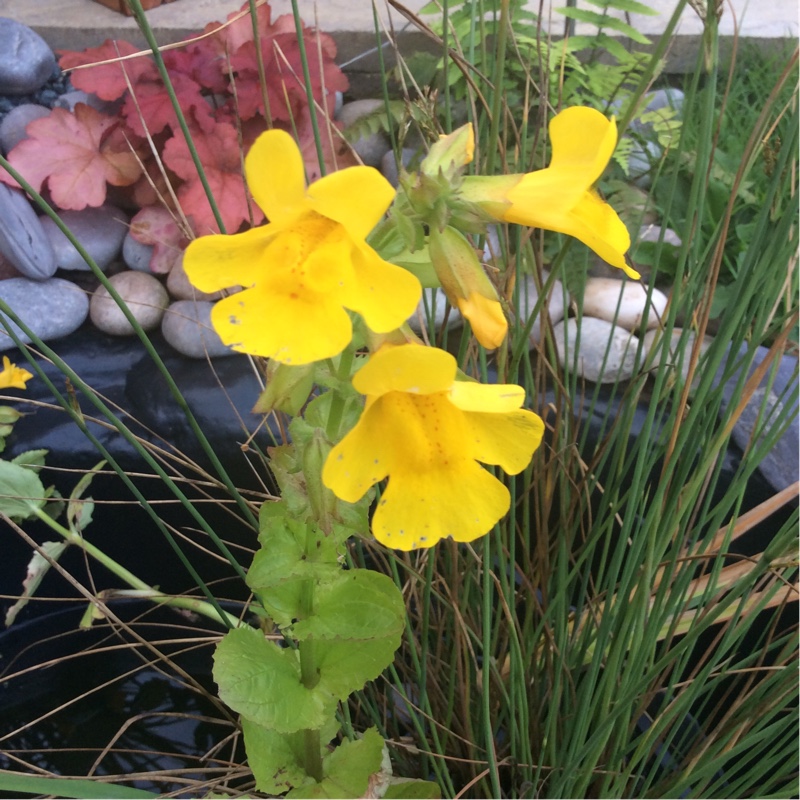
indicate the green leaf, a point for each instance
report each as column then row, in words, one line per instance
column 68, row 787
column 603, row 22
column 359, row 604
column 37, row 569
column 262, row 682
column 348, row 769
column 21, row 492
column 412, row 789
column 357, row 629
column 287, row 389
column 8, row 415
column 290, row 479
column 282, row 566
column 276, row 759
column 34, row 459
column 79, row 512
column 631, row 6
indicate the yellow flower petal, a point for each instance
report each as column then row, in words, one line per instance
column 507, row 440
column 597, row 225
column 12, row 376
column 492, row 398
column 384, row 294
column 302, row 327
column 486, row 318
column 276, row 176
column 406, row 368
column 583, row 141
column 359, row 460
column 220, row 261
column 418, row 509
column 357, row 197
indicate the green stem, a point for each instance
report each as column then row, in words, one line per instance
column 486, row 625
column 338, row 400
column 497, row 78
column 144, row 589
column 309, row 674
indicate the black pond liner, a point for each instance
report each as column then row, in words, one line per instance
column 89, row 691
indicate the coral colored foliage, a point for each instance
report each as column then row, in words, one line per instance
column 77, row 154
column 218, row 89
column 220, row 156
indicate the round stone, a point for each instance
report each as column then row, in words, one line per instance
column 22, row 239
column 135, row 254
column 604, row 353
column 668, row 97
column 144, row 296
column 50, row 309
column 187, row 327
column 69, row 100
column 100, row 231
column 389, row 163
column 371, row 147
column 624, row 303
column 14, row 124
column 641, row 161
column 26, row 60
column 179, row 287
column 652, row 233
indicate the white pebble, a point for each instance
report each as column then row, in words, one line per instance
column 624, row 303
column 144, row 295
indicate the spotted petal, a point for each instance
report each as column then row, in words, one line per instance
column 357, row 197
column 302, row 327
column 407, row 368
column 220, row 261
column 384, row 294
column 359, row 460
column 506, row 440
column 460, row 499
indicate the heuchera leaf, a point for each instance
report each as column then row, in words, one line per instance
column 107, row 81
column 221, row 158
column 286, row 91
column 238, row 30
column 155, row 225
column 150, row 109
column 77, row 153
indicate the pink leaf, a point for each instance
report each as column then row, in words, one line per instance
column 156, row 226
column 150, row 107
column 221, row 157
column 77, row 154
column 107, row 81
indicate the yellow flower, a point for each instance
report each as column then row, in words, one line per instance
column 561, row 198
column 427, row 432
column 12, row 376
column 310, row 263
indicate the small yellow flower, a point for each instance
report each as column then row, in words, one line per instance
column 427, row 432
column 12, row 376
column 561, row 198
column 310, row 263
